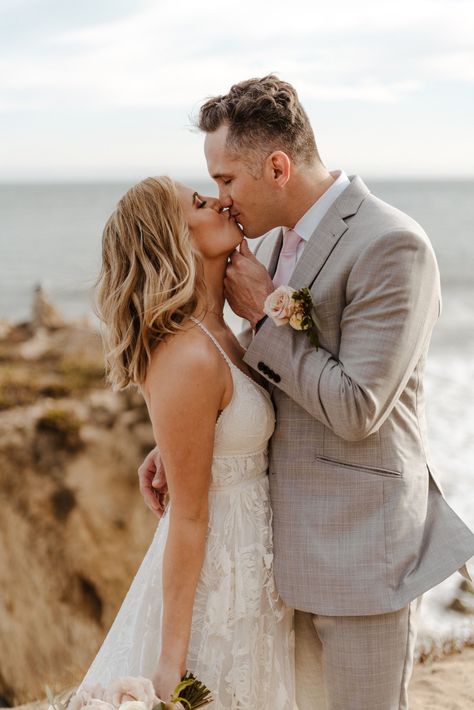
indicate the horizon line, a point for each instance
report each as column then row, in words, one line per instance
column 195, row 178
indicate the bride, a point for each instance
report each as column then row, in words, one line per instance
column 204, row 597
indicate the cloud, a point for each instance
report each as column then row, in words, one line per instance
column 451, row 66
column 366, row 91
column 77, row 81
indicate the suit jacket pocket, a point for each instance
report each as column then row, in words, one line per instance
column 358, row 467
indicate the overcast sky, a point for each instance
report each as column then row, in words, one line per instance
column 104, row 89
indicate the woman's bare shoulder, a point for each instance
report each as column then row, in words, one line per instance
column 186, row 355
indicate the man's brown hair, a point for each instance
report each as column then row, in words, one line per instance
column 262, row 114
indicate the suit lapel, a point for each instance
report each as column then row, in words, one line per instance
column 327, row 234
column 317, row 251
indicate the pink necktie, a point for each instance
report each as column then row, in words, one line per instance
column 288, row 258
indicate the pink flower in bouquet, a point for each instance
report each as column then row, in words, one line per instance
column 279, row 305
column 129, row 689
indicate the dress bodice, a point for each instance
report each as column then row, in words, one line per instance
column 243, row 429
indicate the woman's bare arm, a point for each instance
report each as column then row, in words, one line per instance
column 185, row 389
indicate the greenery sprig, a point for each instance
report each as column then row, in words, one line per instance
column 305, row 318
column 191, row 693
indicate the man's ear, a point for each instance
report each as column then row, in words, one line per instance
column 278, row 168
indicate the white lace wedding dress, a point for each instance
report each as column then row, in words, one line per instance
column 242, row 639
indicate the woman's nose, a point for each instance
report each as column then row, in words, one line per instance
column 214, row 203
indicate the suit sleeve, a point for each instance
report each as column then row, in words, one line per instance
column 392, row 304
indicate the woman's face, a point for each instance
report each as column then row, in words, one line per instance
column 214, row 232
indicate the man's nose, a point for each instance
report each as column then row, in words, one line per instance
column 224, row 199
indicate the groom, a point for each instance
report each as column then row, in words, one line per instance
column 361, row 528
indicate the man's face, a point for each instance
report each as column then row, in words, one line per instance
column 251, row 198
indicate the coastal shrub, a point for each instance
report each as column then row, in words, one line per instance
column 16, row 391
column 81, row 374
column 63, row 501
column 6, row 354
column 91, row 600
column 62, row 426
column 55, row 390
column 50, row 357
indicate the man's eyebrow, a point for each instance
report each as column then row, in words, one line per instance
column 216, row 176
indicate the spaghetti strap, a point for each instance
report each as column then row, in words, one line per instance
column 233, row 367
column 215, row 341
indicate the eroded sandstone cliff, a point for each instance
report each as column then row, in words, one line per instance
column 73, row 526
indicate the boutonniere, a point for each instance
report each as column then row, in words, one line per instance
column 287, row 306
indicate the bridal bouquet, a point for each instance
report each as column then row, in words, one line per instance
column 130, row 693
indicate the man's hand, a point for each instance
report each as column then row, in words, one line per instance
column 153, row 484
column 247, row 284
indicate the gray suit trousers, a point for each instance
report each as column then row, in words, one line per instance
column 355, row 662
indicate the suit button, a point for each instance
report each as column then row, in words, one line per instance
column 261, row 366
column 276, row 377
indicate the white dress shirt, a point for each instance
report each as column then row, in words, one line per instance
column 310, row 220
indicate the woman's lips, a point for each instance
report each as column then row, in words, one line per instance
column 232, row 217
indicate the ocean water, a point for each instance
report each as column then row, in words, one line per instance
column 50, row 234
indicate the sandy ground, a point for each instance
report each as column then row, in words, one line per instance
column 447, row 684
column 444, row 685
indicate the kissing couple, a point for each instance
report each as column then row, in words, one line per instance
column 305, row 520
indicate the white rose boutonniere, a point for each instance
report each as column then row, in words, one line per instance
column 295, row 308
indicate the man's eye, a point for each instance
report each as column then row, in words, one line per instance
column 227, row 182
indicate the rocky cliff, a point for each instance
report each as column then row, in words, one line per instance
column 73, row 526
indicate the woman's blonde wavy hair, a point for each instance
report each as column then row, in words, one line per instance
column 148, row 286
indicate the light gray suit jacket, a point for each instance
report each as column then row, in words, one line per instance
column 360, row 524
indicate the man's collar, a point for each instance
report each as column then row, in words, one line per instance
column 312, row 217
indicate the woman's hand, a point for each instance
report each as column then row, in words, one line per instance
column 153, row 484
column 165, row 678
